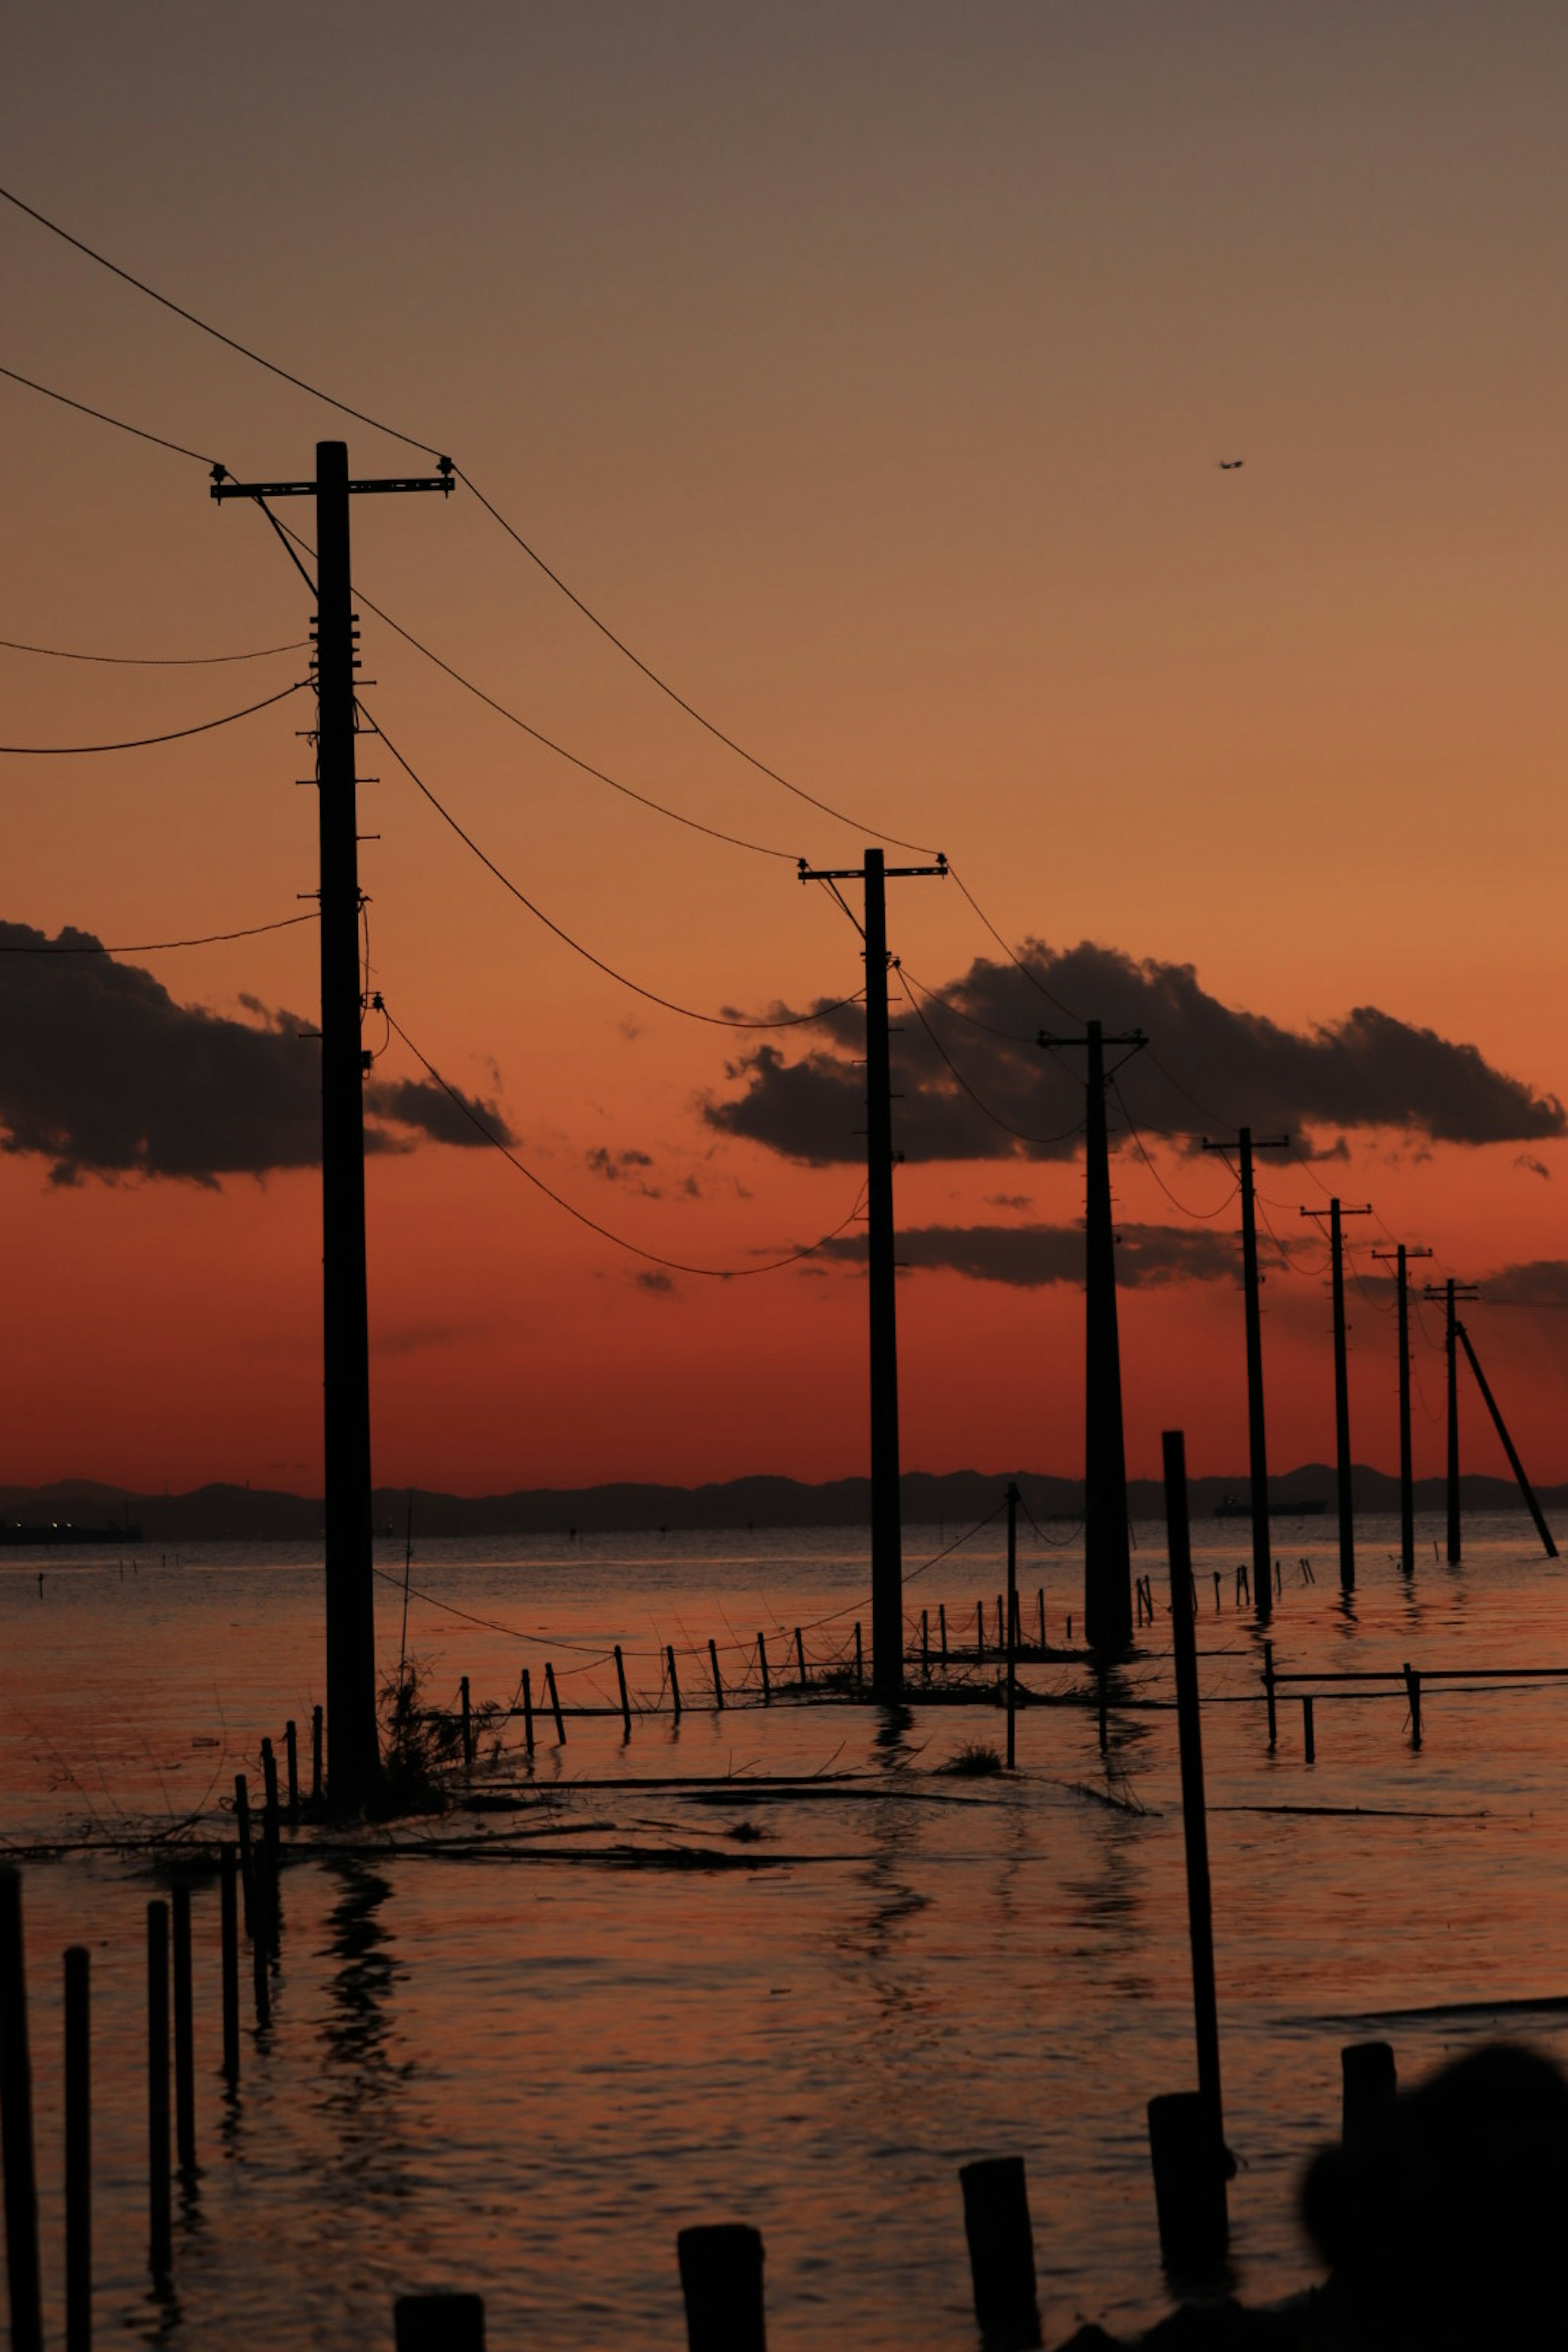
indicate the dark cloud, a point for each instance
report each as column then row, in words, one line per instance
column 102, row 1073
column 650, row 1278
column 1533, row 1167
column 1541, row 1282
column 624, row 1167
column 429, row 1110
column 1031, row 1257
column 1208, row 1063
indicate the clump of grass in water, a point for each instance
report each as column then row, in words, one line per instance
column 420, row 1747
column 973, row 1761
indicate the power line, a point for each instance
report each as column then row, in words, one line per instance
column 217, row 333
column 160, row 947
column 653, row 1258
column 141, row 743
column 1198, row 1216
column 139, row 431
column 1024, row 1135
column 154, row 661
column 1029, row 974
column 668, row 1003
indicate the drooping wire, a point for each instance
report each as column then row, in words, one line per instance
column 686, row 1011
column 140, row 432
column 155, row 661
column 217, row 333
column 141, row 743
column 1198, row 1216
column 161, row 947
column 988, row 1028
column 653, row 1258
column 1024, row 1134
column 1032, row 976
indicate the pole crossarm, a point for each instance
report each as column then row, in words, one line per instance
column 1440, row 1293
column 1343, row 1210
column 226, row 488
column 858, row 872
column 1259, row 1143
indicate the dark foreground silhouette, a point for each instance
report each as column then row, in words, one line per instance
column 1445, row 2225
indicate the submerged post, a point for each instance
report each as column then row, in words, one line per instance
column 762, row 1662
column 291, row 1752
column 625, row 1702
column 161, row 2245
column 17, row 2125
column 721, row 2281
column 527, row 1712
column 674, row 1678
column 1001, row 2253
column 78, row 2151
column 184, row 2034
column 229, row 1926
column 555, row 1704
column 1194, row 1822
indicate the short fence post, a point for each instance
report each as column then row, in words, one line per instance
column 271, row 1911
column 941, row 1627
column 1268, row 1694
column 438, row 2323
column 527, row 1712
column 78, row 2152
column 291, row 1752
column 247, row 1859
column 261, row 1987
column 184, row 2034
column 625, row 1702
column 763, row 1662
column 17, row 2125
column 1370, row 2083
column 980, row 1632
column 555, row 1704
column 859, row 1659
column 1189, row 2184
column 315, row 1755
column 722, row 2280
column 229, row 1910
column 467, row 1725
column 1309, row 1744
column 925, row 1644
column 1413, row 1689
column 674, row 1678
column 717, row 1684
column 1001, row 2253
column 800, row 1656
column 161, row 2248
column 1217, row 1604
column 1042, row 1601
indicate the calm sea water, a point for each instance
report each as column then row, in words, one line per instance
column 518, row 2051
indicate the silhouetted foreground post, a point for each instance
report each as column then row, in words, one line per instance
column 17, row 2125
column 229, row 1924
column 184, row 2034
column 438, row 2323
column 160, row 2242
column 1187, row 2141
column 722, row 2280
column 78, row 2152
column 1515, row 1465
column 1370, row 2083
column 1001, row 2253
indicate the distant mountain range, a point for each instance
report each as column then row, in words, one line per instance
column 957, row 1497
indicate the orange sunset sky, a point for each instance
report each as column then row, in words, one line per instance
column 867, row 368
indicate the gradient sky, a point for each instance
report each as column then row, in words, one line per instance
column 867, row 368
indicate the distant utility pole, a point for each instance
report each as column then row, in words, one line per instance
column 1262, row 1556
column 1107, row 1561
column 887, row 1537
column 1447, row 1294
column 353, row 1754
column 1334, row 1212
column 1407, row 1478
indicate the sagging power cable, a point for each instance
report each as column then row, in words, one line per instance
column 155, row 661
column 161, row 947
column 142, row 742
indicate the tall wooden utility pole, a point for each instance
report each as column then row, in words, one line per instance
column 1334, row 1214
column 1449, row 1293
column 353, row 1754
column 1402, row 1258
column 1258, row 1445
column 886, row 1536
column 1106, row 1560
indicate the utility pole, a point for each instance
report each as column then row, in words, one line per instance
column 886, row 1536
column 1342, row 1391
column 1447, row 1294
column 1107, row 1561
column 1257, row 1448
column 1407, row 1478
column 353, row 1752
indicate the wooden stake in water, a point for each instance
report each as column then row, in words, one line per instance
column 625, row 1702
column 229, row 1923
column 1194, row 1822
column 291, row 1752
column 674, row 1678
column 247, row 1859
column 527, row 1712
column 17, row 2125
column 717, row 1684
column 721, row 2281
column 467, row 1725
column 78, row 2152
column 185, row 2035
column 1012, row 1619
column 259, row 1950
column 800, row 1656
column 315, row 1755
column 160, row 2243
column 555, row 1703
column 763, row 1662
